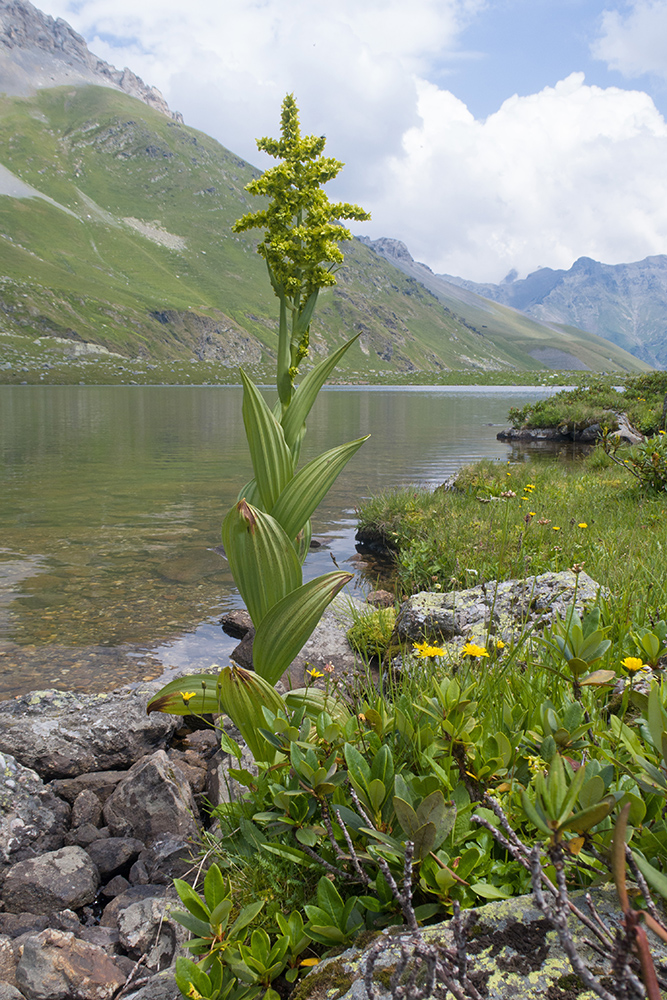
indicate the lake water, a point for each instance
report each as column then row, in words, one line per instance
column 111, row 500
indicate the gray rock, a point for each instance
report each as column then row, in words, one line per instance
column 32, row 818
column 114, row 853
column 9, row 992
column 100, row 782
column 61, row 734
column 7, row 961
column 501, row 609
column 15, row 924
column 328, row 644
column 512, row 952
column 115, row 887
column 109, row 916
column 153, row 799
column 160, row 987
column 220, row 785
column 145, row 929
column 59, row 880
column 57, row 966
column 169, row 857
column 87, row 808
column 82, row 836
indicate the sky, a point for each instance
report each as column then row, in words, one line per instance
column 487, row 135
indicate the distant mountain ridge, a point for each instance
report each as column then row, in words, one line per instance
column 625, row 303
column 553, row 342
column 37, row 51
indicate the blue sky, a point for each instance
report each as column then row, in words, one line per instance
column 486, row 134
column 521, row 46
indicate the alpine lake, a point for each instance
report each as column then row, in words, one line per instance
column 112, row 498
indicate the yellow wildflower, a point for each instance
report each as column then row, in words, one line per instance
column 500, row 644
column 187, row 695
column 471, row 649
column 315, row 673
column 555, row 528
column 632, row 664
column 425, row 649
column 582, row 524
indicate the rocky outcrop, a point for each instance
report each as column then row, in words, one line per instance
column 87, row 862
column 513, row 952
column 623, row 430
column 500, row 609
column 37, row 51
column 60, row 734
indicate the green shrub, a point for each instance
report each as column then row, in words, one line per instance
column 371, row 633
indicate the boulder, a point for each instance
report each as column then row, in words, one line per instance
column 87, row 809
column 57, row 966
column 59, row 880
column 102, row 783
column 512, row 953
column 168, row 857
column 113, row 854
column 145, row 929
column 112, row 910
column 60, row 734
column 153, row 799
column 502, row 609
column 32, row 818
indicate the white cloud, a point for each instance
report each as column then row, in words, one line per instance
column 634, row 43
column 572, row 170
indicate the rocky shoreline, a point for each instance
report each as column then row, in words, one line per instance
column 100, row 805
column 103, row 805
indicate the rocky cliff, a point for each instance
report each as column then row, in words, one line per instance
column 37, row 51
column 625, row 303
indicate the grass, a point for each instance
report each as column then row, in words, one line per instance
column 505, row 521
column 596, row 400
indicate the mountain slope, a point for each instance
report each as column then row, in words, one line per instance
column 115, row 230
column 552, row 344
column 625, row 303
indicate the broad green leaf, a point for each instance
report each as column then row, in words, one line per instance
column 656, row 879
column 310, row 485
column 376, row 794
column 406, row 816
column 424, row 840
column 329, row 899
column 316, row 701
column 250, row 492
column 215, row 887
column 598, row 678
column 656, row 719
column 262, row 559
column 358, row 769
column 488, row 891
column 175, row 697
column 302, row 542
column 591, row 792
column 245, row 917
column 535, row 814
column 289, row 623
column 190, row 899
column 198, row 927
column 590, row 817
column 383, row 767
column 295, row 416
column 271, row 458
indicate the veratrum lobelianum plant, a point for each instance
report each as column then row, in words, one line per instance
column 267, row 533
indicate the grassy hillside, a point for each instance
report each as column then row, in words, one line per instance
column 518, row 336
column 126, row 242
